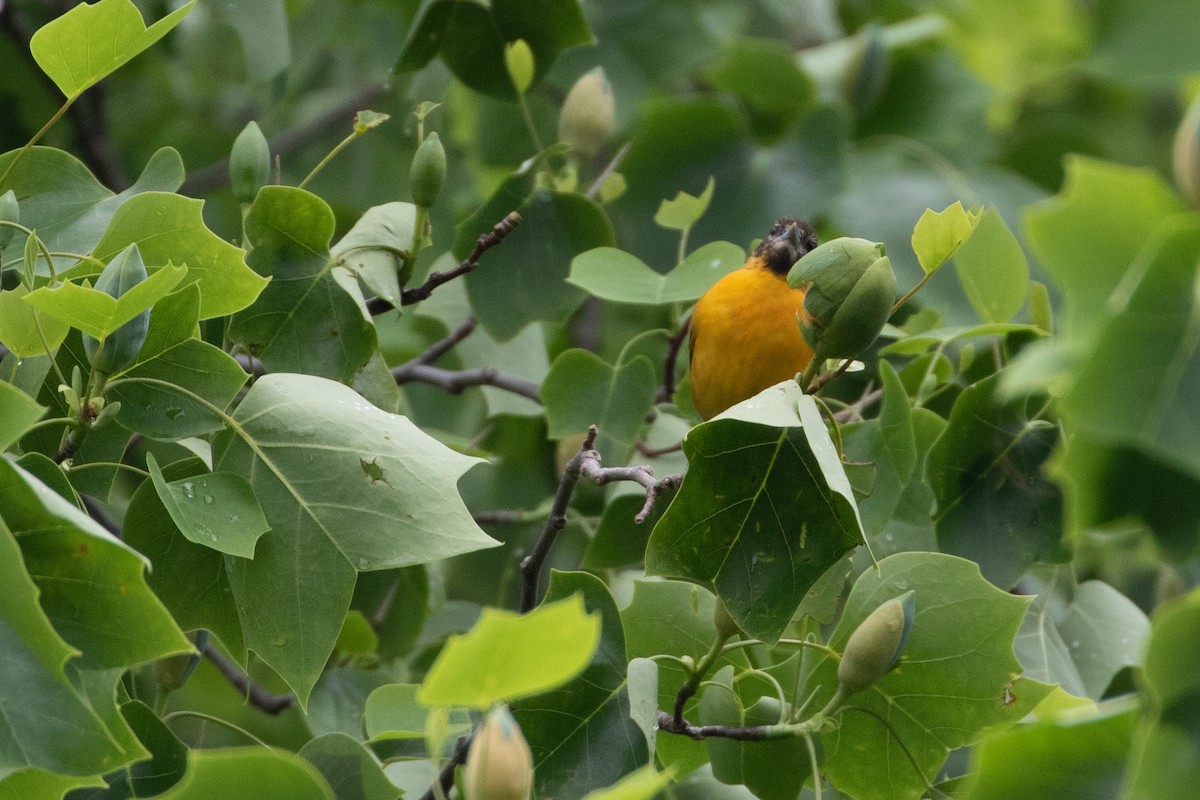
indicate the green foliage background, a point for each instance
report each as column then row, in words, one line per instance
column 324, row 512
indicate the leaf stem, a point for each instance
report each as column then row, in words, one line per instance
column 913, row 291
column 533, row 134
column 29, row 145
column 332, row 154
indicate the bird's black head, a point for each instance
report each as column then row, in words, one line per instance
column 789, row 239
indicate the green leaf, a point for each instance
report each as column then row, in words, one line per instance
column 17, row 412
column 939, row 234
column 524, row 278
column 43, row 711
column 616, row 275
column 91, row 41
column 1125, row 202
column 765, row 509
column 168, row 755
column 518, row 61
column 582, row 734
column 218, row 510
column 685, row 210
column 509, row 656
column 1166, row 742
column 763, row 73
column 1073, row 757
column 1106, row 632
column 306, row 320
column 581, row 390
column 249, row 773
column 349, row 767
column 995, row 505
column 377, row 246
column 1147, row 43
column 643, row 784
column 95, row 312
column 992, row 269
column 92, row 585
column 172, row 321
column 169, row 229
column 262, row 29
column 339, row 700
column 470, row 36
column 22, row 327
column 948, row 687
column 183, row 391
column 918, row 343
column 1133, row 386
column 344, row 487
column 393, row 712
column 25, row 783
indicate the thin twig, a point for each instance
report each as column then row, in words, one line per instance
column 608, row 170
column 446, row 776
column 260, row 698
column 385, row 606
column 667, row 390
column 855, row 409
column 498, row 517
column 454, row 381
column 750, row 733
column 443, row 346
column 825, row 378
column 377, row 305
column 654, row 452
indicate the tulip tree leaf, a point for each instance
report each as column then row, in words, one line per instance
column 22, row 327
column 643, row 784
column 345, row 487
column 582, row 734
column 169, row 228
column 938, row 234
column 992, row 269
column 377, row 246
column 249, row 773
column 98, row 314
column 1135, row 385
column 509, row 656
column 616, row 275
column 764, row 511
column 17, row 412
column 349, row 767
column 306, row 320
column 948, row 687
column 91, row 41
column 217, row 510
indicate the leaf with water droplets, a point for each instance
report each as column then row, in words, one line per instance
column 218, row 510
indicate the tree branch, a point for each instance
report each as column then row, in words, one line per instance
column 260, row 698
column 446, row 776
column 454, row 381
column 751, row 733
column 667, row 390
column 377, row 305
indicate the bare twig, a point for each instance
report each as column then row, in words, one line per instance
column 454, row 381
column 855, row 409
column 443, row 346
column 377, row 305
column 446, row 776
column 260, row 698
column 821, row 381
column 654, row 452
column 667, row 390
column 750, row 733
column 385, row 606
column 498, row 517
column 608, row 170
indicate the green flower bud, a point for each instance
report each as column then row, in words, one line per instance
column 428, row 171
column 499, row 765
column 1187, row 154
column 875, row 646
column 588, row 114
column 9, row 212
column 121, row 347
column 849, row 290
column 249, row 163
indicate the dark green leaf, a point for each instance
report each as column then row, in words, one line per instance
column 351, row 770
column 763, row 74
column 217, row 510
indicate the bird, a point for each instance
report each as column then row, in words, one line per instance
column 745, row 331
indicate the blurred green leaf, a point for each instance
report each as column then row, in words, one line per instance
column 17, row 412
column 507, row 656
column 249, row 773
column 939, row 234
column 393, row 712
column 1145, row 43
column 643, row 784
column 764, row 511
column 352, row 771
column 89, row 42
column 685, row 210
column 217, row 510
column 306, row 320
column 518, row 61
column 948, row 687
column 581, row 733
column 992, row 269
column 616, row 275
column 763, row 74
column 339, row 699
column 262, row 29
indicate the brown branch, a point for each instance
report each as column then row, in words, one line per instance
column 667, row 390
column 654, row 452
column 818, row 383
column 454, row 381
column 446, row 776
column 498, row 517
column 751, row 733
column 443, row 346
column 260, row 698
column 377, row 305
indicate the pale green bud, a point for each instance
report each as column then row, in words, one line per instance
column 876, row 644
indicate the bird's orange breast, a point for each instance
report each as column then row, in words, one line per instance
column 745, row 337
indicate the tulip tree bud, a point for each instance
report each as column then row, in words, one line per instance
column 499, row 765
column 588, row 114
column 122, row 345
column 849, row 290
column 875, row 646
column 9, row 212
column 1187, row 154
column 249, row 163
column 428, row 171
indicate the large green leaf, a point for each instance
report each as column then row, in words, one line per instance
column 524, row 278
column 507, row 656
column 764, row 75
column 764, row 510
column 91, row 41
column 378, row 245
column 1146, row 42
column 992, row 268
column 1134, row 386
column 169, row 228
column 622, row 277
column 948, row 687
column 249, row 773
column 92, row 585
column 351, row 769
column 95, row 312
column 581, row 390
column 17, row 412
column 344, row 487
column 470, row 36
column 262, row 29
column 581, row 734
column 217, row 510
column 306, row 320
column 24, row 330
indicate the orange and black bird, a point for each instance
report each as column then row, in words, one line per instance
column 745, row 330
